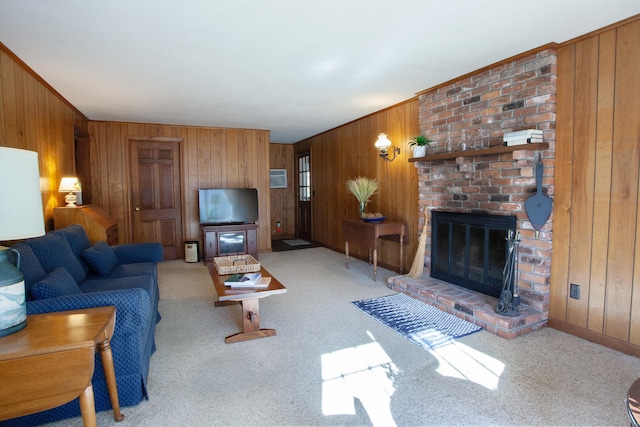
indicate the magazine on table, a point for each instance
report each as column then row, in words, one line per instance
column 247, row 280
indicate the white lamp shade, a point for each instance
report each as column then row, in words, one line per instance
column 21, row 214
column 69, row 183
column 383, row 141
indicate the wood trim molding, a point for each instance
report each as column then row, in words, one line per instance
column 168, row 138
column 595, row 337
column 36, row 76
column 552, row 46
column 549, row 46
column 406, row 101
column 600, row 30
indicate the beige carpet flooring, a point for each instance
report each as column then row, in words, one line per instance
column 330, row 364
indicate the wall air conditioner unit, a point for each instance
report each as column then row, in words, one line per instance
column 278, row 178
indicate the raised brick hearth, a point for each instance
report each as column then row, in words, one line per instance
column 469, row 305
column 511, row 96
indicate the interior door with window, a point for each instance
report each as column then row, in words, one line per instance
column 156, row 194
column 303, row 178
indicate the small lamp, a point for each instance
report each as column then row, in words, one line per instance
column 71, row 185
column 383, row 144
column 21, row 217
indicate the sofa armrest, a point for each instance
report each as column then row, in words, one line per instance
column 129, row 253
column 132, row 306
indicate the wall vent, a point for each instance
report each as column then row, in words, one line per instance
column 278, row 178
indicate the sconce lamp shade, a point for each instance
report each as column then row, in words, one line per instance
column 384, row 145
column 21, row 217
column 70, row 185
column 383, row 142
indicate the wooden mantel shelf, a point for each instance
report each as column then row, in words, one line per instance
column 498, row 149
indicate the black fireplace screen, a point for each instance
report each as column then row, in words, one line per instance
column 470, row 250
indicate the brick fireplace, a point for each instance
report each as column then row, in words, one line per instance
column 477, row 110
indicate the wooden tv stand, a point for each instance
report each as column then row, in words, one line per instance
column 234, row 239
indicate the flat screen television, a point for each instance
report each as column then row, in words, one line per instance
column 228, row 205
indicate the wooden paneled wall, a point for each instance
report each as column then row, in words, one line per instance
column 347, row 152
column 596, row 232
column 211, row 157
column 33, row 116
column 283, row 200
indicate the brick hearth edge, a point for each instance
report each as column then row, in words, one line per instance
column 469, row 305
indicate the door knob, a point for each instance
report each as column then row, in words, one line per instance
column 137, row 209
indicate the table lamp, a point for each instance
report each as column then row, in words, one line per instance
column 21, row 217
column 71, row 185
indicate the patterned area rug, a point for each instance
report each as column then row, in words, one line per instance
column 419, row 322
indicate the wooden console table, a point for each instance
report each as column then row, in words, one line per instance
column 367, row 234
column 50, row 362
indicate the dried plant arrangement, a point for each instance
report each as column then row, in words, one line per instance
column 362, row 188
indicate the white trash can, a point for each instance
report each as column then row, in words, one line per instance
column 191, row 251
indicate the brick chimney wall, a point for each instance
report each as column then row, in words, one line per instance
column 517, row 95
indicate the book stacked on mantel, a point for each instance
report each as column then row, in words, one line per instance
column 528, row 136
column 247, row 280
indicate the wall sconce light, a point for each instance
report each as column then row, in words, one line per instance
column 71, row 185
column 383, row 144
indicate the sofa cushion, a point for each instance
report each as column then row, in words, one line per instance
column 128, row 253
column 129, row 270
column 78, row 240
column 101, row 258
column 101, row 285
column 76, row 236
column 29, row 265
column 53, row 251
column 57, row 283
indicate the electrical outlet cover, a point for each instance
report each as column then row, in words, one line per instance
column 574, row 291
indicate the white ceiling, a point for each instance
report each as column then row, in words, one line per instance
column 294, row 67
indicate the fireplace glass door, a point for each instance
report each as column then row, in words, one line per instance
column 470, row 250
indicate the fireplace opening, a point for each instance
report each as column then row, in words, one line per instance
column 470, row 250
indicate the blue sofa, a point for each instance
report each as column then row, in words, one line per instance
column 63, row 271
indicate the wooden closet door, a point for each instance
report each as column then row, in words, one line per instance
column 155, row 194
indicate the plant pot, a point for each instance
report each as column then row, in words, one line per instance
column 419, row 150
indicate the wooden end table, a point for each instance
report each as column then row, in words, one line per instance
column 367, row 234
column 51, row 361
column 249, row 299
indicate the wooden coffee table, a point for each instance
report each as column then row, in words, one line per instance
column 249, row 299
